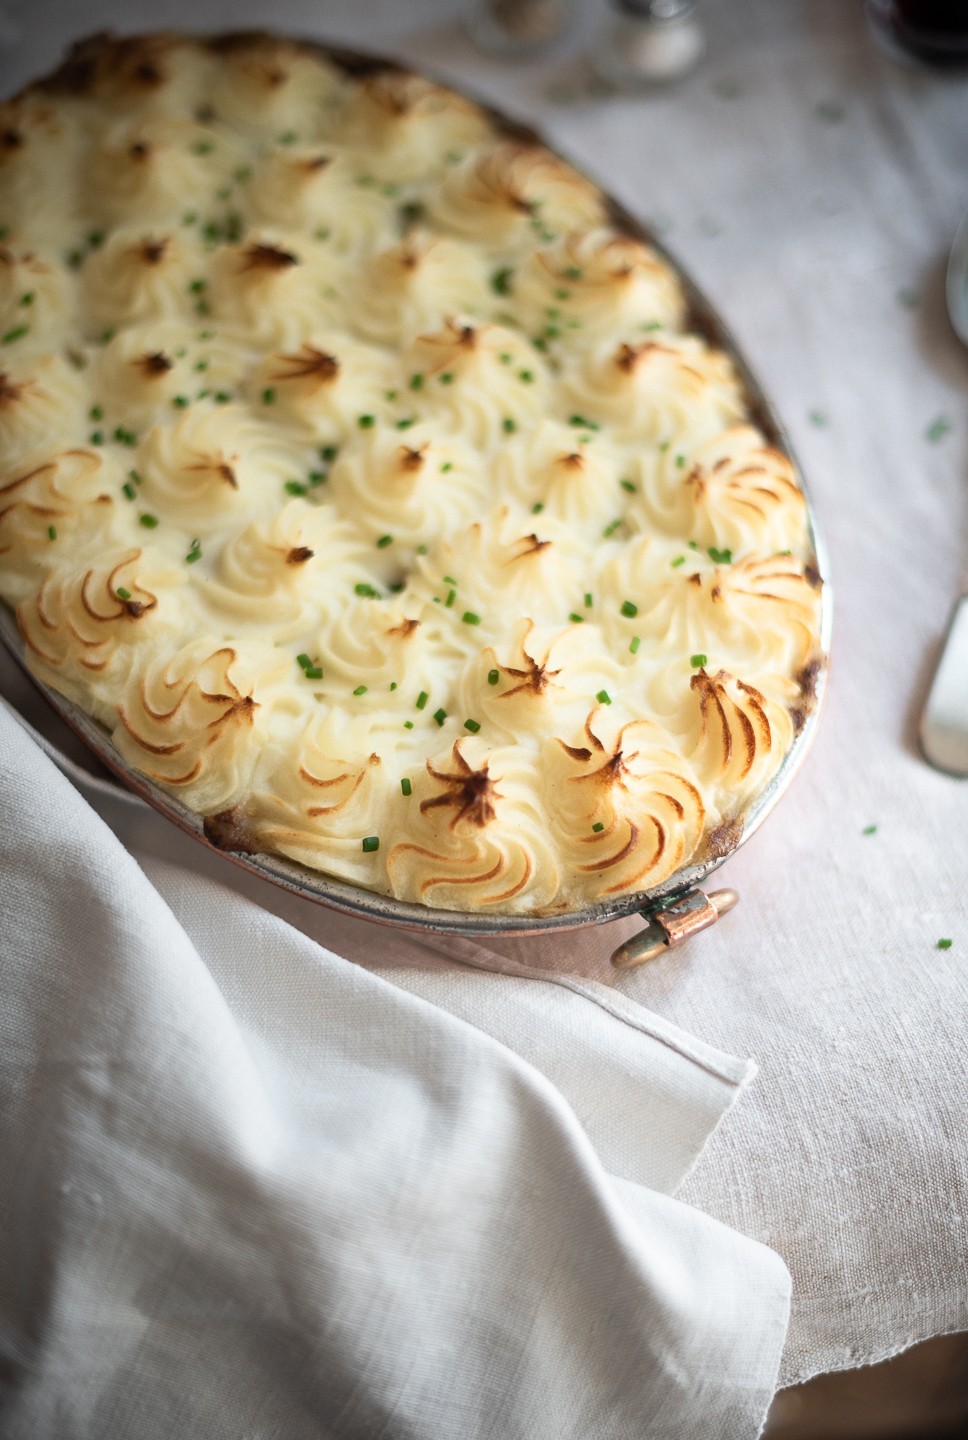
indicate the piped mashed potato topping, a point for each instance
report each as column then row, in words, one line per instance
column 364, row 482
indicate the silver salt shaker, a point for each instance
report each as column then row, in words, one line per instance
column 649, row 42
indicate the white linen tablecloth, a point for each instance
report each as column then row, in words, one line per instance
column 812, row 186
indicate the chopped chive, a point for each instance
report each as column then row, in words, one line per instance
column 629, row 609
column 393, row 684
column 440, row 715
column 576, row 619
column 180, row 402
column 469, row 618
column 679, row 560
column 447, row 378
column 508, row 425
column 221, row 397
column 416, row 382
column 505, row 358
column 123, row 594
column 870, row 830
column 589, row 600
column 366, row 422
column 721, row 557
column 317, row 477
column 268, row 396
column 405, row 423
column 128, row 490
column 493, row 676
column 314, row 672
column 634, row 644
column 573, row 272
column 389, row 394
column 360, row 690
column 935, row 431
column 562, row 294
column 680, row 461
column 628, row 485
column 408, row 724
column 295, row 487
column 51, row 533
column 366, row 590
column 697, row 660
column 27, row 299
column 194, row 553
column 202, row 147
column 598, row 827
column 603, row 697
column 585, row 424
column 197, row 286
column 97, row 437
column 16, row 333
column 303, row 661
column 150, row 522
column 451, row 597
column 537, row 508
column 527, row 376
column 96, row 413
column 422, row 699
column 693, row 545
column 610, row 529
column 944, row 944
column 384, row 541
column 95, row 239
column 288, row 137
column 370, row 843
column 501, row 281
column 447, row 466
column 472, row 725
column 328, row 453
column 406, row 786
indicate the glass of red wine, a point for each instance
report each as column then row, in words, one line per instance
column 934, row 32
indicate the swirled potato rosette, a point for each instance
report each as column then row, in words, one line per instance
column 365, row 479
column 41, row 409
column 405, row 127
column 69, row 498
column 597, row 282
column 411, row 486
column 480, row 836
column 320, row 189
column 414, row 287
column 197, row 721
column 511, row 194
column 85, row 630
column 629, row 808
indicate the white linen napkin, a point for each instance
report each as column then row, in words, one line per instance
column 253, row 1189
